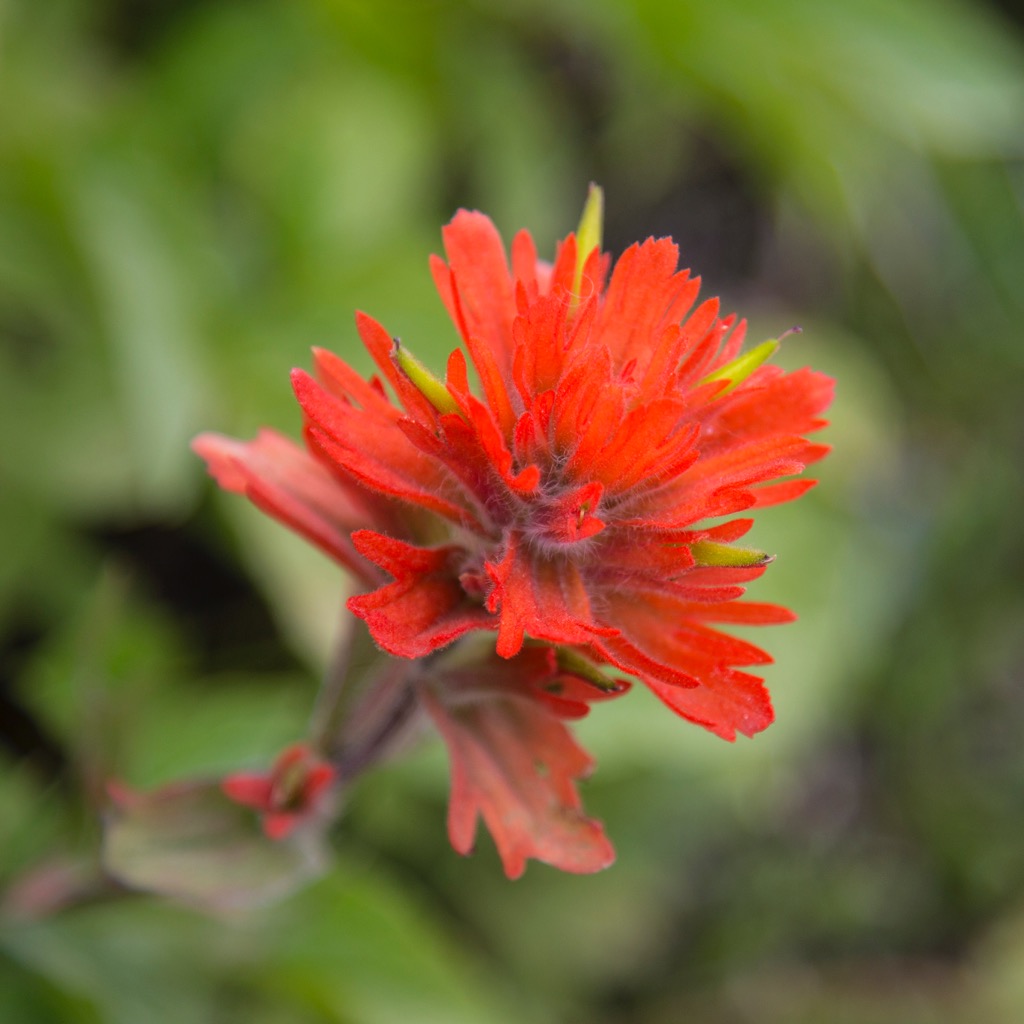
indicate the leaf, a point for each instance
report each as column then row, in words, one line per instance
column 190, row 842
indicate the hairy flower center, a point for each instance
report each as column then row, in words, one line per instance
column 563, row 518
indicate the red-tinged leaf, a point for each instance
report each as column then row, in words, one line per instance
column 703, row 344
column 702, row 642
column 725, row 533
column 682, row 591
column 642, row 557
column 396, row 481
column 426, row 608
column 444, row 282
column 493, row 381
column 658, row 378
column 515, row 764
column 290, row 485
column 484, row 360
column 702, row 333
column 486, row 473
column 530, row 439
column 563, row 680
column 570, row 696
column 734, row 340
column 456, row 377
column 375, row 451
column 814, row 453
column 749, row 463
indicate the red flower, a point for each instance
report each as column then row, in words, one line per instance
column 286, row 796
column 569, row 502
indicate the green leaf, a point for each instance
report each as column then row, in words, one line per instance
column 373, row 952
column 190, row 842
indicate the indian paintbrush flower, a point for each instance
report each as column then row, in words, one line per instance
column 565, row 507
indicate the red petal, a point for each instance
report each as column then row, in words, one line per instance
column 514, row 764
column 535, row 671
column 376, row 451
column 538, row 597
column 776, row 494
column 318, row 780
column 747, row 613
column 425, row 608
column 249, row 789
column 524, row 263
column 380, row 345
column 483, row 284
column 569, row 519
column 644, row 295
column 343, row 382
column 280, row 824
column 649, row 444
column 287, row 483
column 785, row 404
column 724, row 703
column 589, row 408
column 659, row 644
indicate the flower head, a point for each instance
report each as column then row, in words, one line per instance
column 570, row 498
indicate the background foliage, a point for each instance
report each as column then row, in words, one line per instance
column 192, row 192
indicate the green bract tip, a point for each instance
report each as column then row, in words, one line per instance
column 577, row 665
column 432, row 389
column 588, row 234
column 709, row 552
column 743, row 366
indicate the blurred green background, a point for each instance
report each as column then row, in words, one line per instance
column 194, row 192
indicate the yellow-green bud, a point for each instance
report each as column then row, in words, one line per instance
column 711, row 553
column 432, row 389
column 743, row 366
column 588, row 235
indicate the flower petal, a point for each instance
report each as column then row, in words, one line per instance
column 425, row 608
column 515, row 764
column 543, row 598
column 483, row 284
column 725, row 703
column 289, row 484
